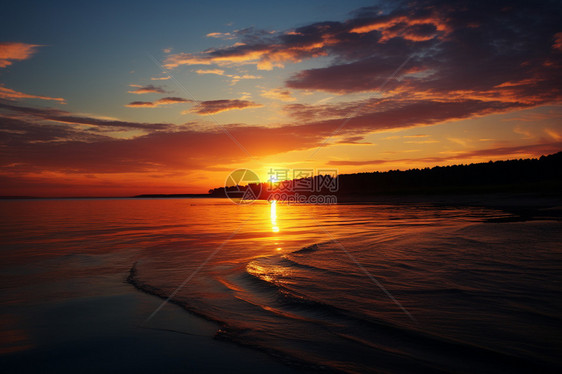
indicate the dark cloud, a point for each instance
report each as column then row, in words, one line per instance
column 382, row 114
column 500, row 49
column 488, row 56
column 510, row 50
column 264, row 49
column 217, row 106
column 30, row 147
column 62, row 116
column 160, row 151
column 353, row 140
column 141, row 104
column 67, row 148
column 16, row 132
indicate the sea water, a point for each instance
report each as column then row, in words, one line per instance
column 350, row 288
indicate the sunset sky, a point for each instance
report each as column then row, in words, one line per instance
column 116, row 99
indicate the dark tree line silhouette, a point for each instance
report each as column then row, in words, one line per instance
column 523, row 175
column 542, row 175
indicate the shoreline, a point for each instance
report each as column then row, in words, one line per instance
column 224, row 332
column 101, row 333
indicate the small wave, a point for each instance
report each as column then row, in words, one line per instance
column 292, row 262
column 257, row 272
column 278, row 309
column 134, row 280
column 411, row 341
column 311, row 248
column 238, row 335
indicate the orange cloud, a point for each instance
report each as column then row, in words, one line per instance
column 275, row 49
column 409, row 28
column 557, row 41
column 157, row 103
column 553, row 134
column 210, row 71
column 217, row 106
column 10, row 52
column 32, row 147
column 235, row 78
column 8, row 93
column 532, row 150
column 221, row 35
column 278, row 94
column 265, row 57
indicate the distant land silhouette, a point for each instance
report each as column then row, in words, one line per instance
column 542, row 176
column 539, row 176
column 176, row 195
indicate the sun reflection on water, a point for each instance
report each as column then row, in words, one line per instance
column 273, row 209
column 274, row 226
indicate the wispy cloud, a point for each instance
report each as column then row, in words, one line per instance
column 427, row 141
column 30, row 143
column 61, row 116
column 532, row 150
column 217, row 106
column 164, row 78
column 157, row 103
column 264, row 58
column 554, row 134
column 221, row 35
column 146, row 89
column 210, row 71
column 8, row 93
column 10, row 51
column 265, row 49
column 461, row 142
column 278, row 94
column 169, row 149
column 235, row 77
column 354, row 140
column 557, row 41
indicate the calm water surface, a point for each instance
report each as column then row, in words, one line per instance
column 352, row 288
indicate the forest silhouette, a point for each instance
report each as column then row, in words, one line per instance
column 539, row 176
